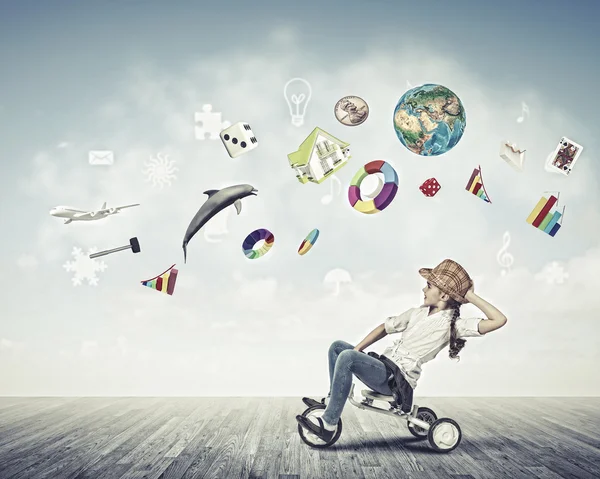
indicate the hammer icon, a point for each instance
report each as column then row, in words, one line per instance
column 134, row 244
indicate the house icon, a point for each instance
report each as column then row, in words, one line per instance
column 319, row 156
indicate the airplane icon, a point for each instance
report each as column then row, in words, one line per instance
column 73, row 214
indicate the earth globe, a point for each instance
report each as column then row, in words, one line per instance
column 429, row 120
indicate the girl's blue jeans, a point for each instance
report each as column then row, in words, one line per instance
column 344, row 361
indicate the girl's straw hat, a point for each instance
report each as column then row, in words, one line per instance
column 449, row 277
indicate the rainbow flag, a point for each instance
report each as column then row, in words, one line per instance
column 475, row 185
column 164, row 282
column 543, row 218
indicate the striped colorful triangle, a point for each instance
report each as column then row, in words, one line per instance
column 476, row 186
column 164, row 282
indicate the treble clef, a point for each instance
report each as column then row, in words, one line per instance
column 504, row 258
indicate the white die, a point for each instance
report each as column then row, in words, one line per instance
column 238, row 139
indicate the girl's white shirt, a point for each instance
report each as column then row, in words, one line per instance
column 423, row 337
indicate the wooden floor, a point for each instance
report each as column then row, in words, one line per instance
column 172, row 438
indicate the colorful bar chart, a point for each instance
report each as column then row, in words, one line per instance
column 543, row 218
column 164, row 282
column 475, row 185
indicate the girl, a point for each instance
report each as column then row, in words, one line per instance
column 427, row 330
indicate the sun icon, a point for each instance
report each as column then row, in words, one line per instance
column 160, row 171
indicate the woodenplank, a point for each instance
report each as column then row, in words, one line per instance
column 198, row 448
column 354, row 439
column 175, row 438
column 408, row 450
column 384, row 451
column 51, row 421
column 562, row 426
column 349, row 465
column 211, row 442
column 55, row 423
column 251, row 440
column 567, row 467
column 266, row 448
column 306, row 459
column 19, row 408
column 290, row 464
column 127, row 419
column 236, row 433
column 562, row 441
column 296, row 456
column 542, row 472
column 519, row 424
column 507, row 454
column 7, row 401
column 106, row 458
column 63, row 447
column 275, row 446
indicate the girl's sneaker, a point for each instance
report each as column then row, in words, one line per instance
column 318, row 429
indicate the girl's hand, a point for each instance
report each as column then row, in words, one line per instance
column 470, row 291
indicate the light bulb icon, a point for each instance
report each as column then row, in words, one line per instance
column 297, row 93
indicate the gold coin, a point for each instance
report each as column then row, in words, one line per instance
column 351, row 111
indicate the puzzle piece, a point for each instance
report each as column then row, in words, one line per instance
column 554, row 273
column 208, row 122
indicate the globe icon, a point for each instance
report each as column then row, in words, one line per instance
column 429, row 120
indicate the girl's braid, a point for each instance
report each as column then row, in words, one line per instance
column 456, row 343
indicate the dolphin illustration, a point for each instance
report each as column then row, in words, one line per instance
column 217, row 201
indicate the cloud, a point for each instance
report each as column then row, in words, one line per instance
column 258, row 294
column 553, row 273
column 27, row 262
column 11, row 346
column 336, row 278
column 123, row 345
column 274, row 315
column 89, row 349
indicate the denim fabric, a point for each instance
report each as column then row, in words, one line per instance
column 344, row 361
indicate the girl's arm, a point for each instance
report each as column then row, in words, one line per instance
column 375, row 335
column 495, row 317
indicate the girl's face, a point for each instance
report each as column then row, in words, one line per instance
column 432, row 295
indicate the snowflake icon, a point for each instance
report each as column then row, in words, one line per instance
column 160, row 170
column 554, row 273
column 84, row 267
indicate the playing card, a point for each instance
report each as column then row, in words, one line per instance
column 564, row 157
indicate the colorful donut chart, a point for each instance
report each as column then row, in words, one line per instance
column 384, row 198
column 255, row 237
column 308, row 242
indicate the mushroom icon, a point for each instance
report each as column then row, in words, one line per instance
column 337, row 276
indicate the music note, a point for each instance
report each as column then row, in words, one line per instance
column 504, row 258
column 524, row 110
column 329, row 197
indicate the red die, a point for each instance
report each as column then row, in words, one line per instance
column 430, row 187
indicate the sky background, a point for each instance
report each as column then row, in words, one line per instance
column 128, row 75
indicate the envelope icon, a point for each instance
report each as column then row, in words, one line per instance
column 101, row 157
